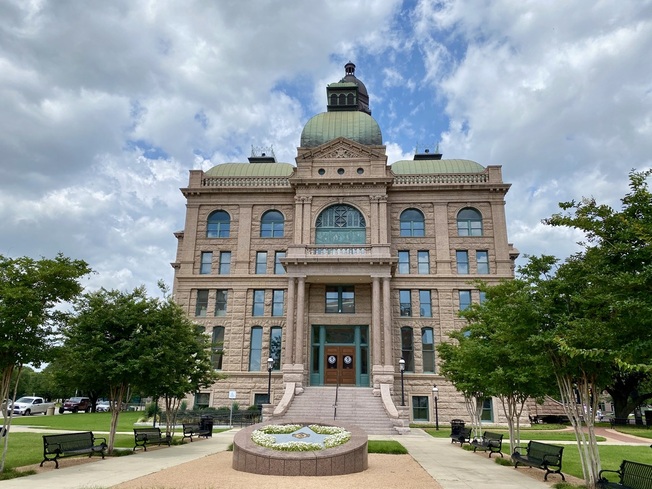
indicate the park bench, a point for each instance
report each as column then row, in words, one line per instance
column 195, row 429
column 461, row 436
column 620, row 421
column 150, row 436
column 490, row 442
column 70, row 444
column 632, row 475
column 540, row 455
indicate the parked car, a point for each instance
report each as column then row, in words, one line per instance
column 103, row 406
column 27, row 405
column 75, row 404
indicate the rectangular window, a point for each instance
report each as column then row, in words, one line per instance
column 425, row 304
column 275, row 337
column 217, row 347
column 420, row 408
column 462, row 262
column 404, row 262
column 483, row 296
column 423, row 262
column 202, row 303
column 279, row 269
column 405, row 302
column 407, row 348
column 487, row 410
column 261, row 262
column 202, row 400
column 255, row 348
column 278, row 300
column 465, row 299
column 428, row 349
column 206, row 262
column 482, row 257
column 220, row 302
column 225, row 262
column 259, row 303
column 340, row 300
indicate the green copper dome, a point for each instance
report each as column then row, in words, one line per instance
column 230, row 170
column 355, row 125
column 425, row 167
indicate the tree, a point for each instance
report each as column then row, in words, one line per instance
column 177, row 361
column 30, row 291
column 619, row 248
column 512, row 370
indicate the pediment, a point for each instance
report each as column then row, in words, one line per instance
column 341, row 148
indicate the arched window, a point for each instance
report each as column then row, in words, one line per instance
column 341, row 224
column 217, row 347
column 218, row 225
column 272, row 225
column 333, row 99
column 407, row 348
column 255, row 348
column 428, row 349
column 469, row 222
column 342, row 99
column 349, row 99
column 412, row 223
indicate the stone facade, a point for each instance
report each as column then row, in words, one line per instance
column 328, row 258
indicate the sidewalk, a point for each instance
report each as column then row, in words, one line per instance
column 451, row 466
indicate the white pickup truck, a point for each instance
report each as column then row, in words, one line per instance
column 27, row 405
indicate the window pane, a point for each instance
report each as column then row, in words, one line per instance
column 407, row 348
column 217, row 347
column 275, row 337
column 225, row 262
column 428, row 349
column 278, row 267
column 465, row 299
column 256, row 348
column 220, row 303
column 469, row 222
column 412, row 223
column 206, row 262
column 259, row 303
column 420, row 408
column 405, row 301
column 403, row 262
column 340, row 300
column 202, row 303
column 272, row 225
column 278, row 302
column 348, row 300
column 482, row 258
column 487, row 410
column 218, row 225
column 462, row 261
column 332, row 301
column 425, row 306
column 340, row 224
column 261, row 262
column 424, row 262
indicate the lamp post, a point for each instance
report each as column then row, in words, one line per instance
column 270, row 366
column 435, row 391
column 401, row 367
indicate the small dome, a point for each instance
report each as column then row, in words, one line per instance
column 354, row 125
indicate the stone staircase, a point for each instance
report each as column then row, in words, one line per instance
column 355, row 405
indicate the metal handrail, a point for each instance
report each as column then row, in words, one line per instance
column 337, row 390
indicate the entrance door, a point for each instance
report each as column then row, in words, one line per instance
column 340, row 364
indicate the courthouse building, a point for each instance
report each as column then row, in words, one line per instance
column 339, row 265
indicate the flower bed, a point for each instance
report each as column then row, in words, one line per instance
column 266, row 437
column 347, row 455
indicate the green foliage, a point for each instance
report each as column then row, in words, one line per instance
column 386, row 446
column 152, row 409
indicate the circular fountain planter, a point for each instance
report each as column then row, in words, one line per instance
column 348, row 458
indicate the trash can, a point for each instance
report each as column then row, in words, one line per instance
column 50, row 411
column 648, row 419
column 206, row 424
column 457, row 425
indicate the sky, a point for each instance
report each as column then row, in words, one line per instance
column 106, row 106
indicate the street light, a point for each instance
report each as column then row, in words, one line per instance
column 270, row 366
column 435, row 391
column 401, row 367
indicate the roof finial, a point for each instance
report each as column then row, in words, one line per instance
column 349, row 68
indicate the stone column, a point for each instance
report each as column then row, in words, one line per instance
column 503, row 263
column 301, row 297
column 289, row 333
column 307, row 217
column 298, row 219
column 387, row 322
column 383, row 231
column 242, row 257
column 375, row 322
column 442, row 242
column 374, row 219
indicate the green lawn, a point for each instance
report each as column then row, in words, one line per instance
column 80, row 421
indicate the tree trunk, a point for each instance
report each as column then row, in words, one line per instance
column 117, row 393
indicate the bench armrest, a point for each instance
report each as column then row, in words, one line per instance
column 517, row 449
column 606, row 470
column 99, row 438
